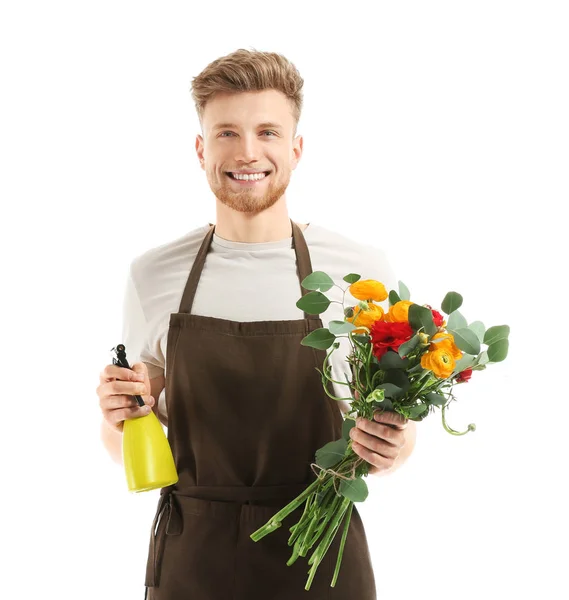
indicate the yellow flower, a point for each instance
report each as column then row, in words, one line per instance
column 399, row 312
column 441, row 361
column 368, row 289
column 366, row 318
column 447, row 342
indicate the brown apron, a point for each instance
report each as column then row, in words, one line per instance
column 246, row 414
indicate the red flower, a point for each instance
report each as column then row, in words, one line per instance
column 464, row 375
column 389, row 336
column 437, row 317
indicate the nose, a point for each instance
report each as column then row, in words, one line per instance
column 247, row 149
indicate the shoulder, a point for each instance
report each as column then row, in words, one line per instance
column 337, row 252
column 156, row 259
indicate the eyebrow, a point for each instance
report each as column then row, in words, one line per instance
column 232, row 125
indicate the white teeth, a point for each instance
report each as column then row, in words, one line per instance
column 252, row 177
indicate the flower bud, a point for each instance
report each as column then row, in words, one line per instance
column 349, row 312
column 363, row 304
column 423, row 339
column 376, row 396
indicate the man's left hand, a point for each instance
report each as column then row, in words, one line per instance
column 379, row 442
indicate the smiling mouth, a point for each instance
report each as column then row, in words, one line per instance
column 230, row 175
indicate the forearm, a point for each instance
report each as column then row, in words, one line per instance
column 112, row 440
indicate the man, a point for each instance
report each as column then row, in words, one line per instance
column 212, row 318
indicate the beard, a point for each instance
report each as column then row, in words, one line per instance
column 249, row 200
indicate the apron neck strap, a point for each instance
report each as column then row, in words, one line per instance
column 304, row 266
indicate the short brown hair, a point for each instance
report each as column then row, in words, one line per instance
column 247, row 71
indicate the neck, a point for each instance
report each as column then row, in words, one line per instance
column 270, row 225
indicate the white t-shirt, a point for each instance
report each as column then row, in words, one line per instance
column 241, row 282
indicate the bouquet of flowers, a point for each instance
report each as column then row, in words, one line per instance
column 405, row 360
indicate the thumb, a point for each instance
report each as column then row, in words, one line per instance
column 141, row 368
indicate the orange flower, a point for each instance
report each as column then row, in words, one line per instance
column 368, row 289
column 447, row 342
column 399, row 312
column 366, row 318
column 441, row 361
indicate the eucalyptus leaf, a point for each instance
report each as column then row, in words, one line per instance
column 346, row 426
column 391, row 390
column 404, row 291
column 393, row 297
column 354, row 489
column 313, row 303
column 417, row 410
column 466, row 340
column 398, row 378
column 452, row 301
column 331, row 453
column 435, row 399
column 479, row 329
column 482, row 358
column 317, row 280
column 340, row 327
column 421, row 317
column 498, row 351
column 319, row 338
column 498, row 332
column 352, row 278
column 456, row 320
column 465, row 362
column 408, row 346
column 392, row 360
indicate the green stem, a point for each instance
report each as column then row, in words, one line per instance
column 276, row 520
column 471, row 427
column 342, row 543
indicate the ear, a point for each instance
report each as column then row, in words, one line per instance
column 200, row 150
column 297, row 144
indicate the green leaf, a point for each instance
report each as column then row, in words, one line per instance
column 498, row 350
column 421, row 317
column 465, row 362
column 317, row 280
column 482, row 358
column 398, row 378
column 319, row 338
column 313, row 303
column 478, row 328
column 417, row 410
column 408, row 347
column 391, row 390
column 466, row 340
column 354, row 489
column 456, row 321
column 331, row 453
column 346, row 426
column 435, row 399
column 452, row 301
column 498, row 332
column 352, row 278
column 392, row 360
column 393, row 298
column 404, row 291
column 340, row 327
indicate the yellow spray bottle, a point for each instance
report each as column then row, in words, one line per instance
column 147, row 456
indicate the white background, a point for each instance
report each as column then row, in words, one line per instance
column 435, row 130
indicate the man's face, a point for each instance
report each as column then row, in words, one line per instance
column 248, row 131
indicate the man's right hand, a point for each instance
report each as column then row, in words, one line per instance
column 116, row 391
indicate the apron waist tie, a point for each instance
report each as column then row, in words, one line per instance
column 223, row 498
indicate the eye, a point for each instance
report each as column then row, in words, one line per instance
column 226, row 132
column 270, row 132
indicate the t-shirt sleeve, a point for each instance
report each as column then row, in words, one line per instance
column 136, row 335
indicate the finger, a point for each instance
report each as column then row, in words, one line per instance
column 386, row 432
column 391, row 418
column 377, row 460
column 116, row 417
column 114, row 372
column 373, row 443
